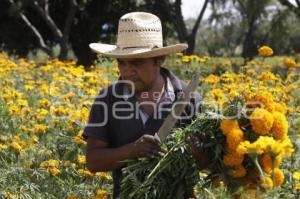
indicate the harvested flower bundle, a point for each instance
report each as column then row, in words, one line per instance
column 246, row 142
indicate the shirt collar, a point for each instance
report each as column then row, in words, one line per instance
column 169, row 94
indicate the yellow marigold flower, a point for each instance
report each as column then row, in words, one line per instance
column 297, row 187
column 71, row 95
column 54, row 171
column 280, row 107
column 280, row 126
column 101, row 192
column 211, row 79
column 274, row 147
column 79, row 140
column 81, row 159
column 28, row 87
column 44, row 103
column 104, row 175
column 261, row 145
column 267, row 182
column 218, row 94
column 186, row 59
column 49, row 163
column 287, row 147
column 265, row 51
column 238, row 172
column 243, row 147
column 34, row 139
column 296, row 175
column 22, row 102
column 3, row 146
column 290, row 63
column 40, row 128
column 67, row 163
column 16, row 146
column 232, row 94
column 13, row 110
column 261, row 121
column 233, row 159
column 228, row 125
column 234, row 138
column 61, row 111
column 85, row 172
column 41, row 114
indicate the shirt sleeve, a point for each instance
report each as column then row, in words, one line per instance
column 97, row 125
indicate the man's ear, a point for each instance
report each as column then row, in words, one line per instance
column 163, row 59
column 160, row 60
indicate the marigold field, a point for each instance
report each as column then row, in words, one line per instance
column 44, row 107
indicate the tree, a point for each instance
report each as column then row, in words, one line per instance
column 61, row 35
column 72, row 24
column 173, row 10
column 251, row 11
column 292, row 7
column 97, row 22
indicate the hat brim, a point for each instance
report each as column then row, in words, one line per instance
column 115, row 52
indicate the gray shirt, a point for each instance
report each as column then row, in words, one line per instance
column 113, row 117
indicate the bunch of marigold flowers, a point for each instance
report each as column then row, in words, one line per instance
column 246, row 143
column 255, row 142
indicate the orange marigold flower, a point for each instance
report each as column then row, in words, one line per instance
column 72, row 197
column 280, row 126
column 266, row 162
column 234, row 138
column 265, row 98
column 290, row 63
column 233, row 159
column 228, row 125
column 278, row 177
column 265, row 51
column 261, row 121
column 238, row 172
column 54, row 171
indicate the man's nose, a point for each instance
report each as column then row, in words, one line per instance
column 128, row 70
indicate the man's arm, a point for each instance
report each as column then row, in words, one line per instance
column 102, row 158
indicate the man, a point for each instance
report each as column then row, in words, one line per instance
column 126, row 115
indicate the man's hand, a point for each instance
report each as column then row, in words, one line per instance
column 146, row 146
column 200, row 156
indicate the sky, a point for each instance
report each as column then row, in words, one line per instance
column 191, row 8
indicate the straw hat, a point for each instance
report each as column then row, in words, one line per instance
column 139, row 36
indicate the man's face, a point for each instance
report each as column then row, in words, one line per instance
column 142, row 72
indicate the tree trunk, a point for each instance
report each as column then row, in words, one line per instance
column 249, row 47
column 192, row 36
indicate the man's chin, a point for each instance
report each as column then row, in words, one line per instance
column 138, row 88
